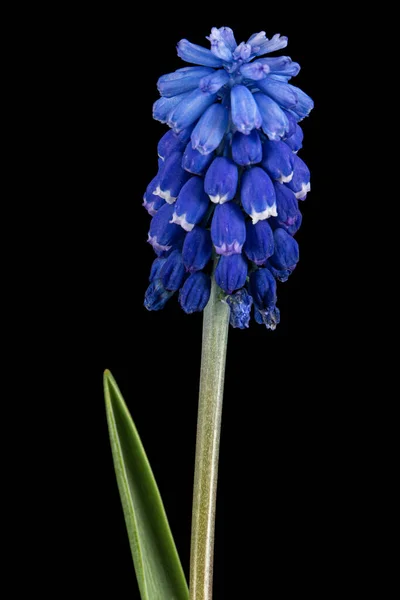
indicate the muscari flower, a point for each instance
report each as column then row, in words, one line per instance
column 229, row 180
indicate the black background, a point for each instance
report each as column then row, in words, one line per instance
column 279, row 506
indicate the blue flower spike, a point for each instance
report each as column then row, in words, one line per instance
column 230, row 181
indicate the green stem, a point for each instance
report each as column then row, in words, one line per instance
column 215, row 341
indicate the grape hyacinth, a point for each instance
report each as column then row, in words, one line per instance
column 229, row 180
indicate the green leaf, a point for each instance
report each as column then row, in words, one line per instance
column 158, row 568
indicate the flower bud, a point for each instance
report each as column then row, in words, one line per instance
column 246, row 149
column 172, row 178
column 231, row 273
column 173, row 273
column 286, row 255
column 192, row 204
column 258, row 195
column 300, row 184
column 228, row 229
column 278, row 161
column 259, row 245
column 245, row 113
column 197, row 249
column 210, row 130
column 169, row 144
column 221, row 180
column 156, row 296
column 195, row 293
column 163, row 234
column 194, row 162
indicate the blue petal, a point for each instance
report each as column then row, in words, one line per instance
column 211, row 84
column 276, row 77
column 151, row 201
column 257, row 40
column 289, row 216
column 292, row 229
column 221, row 180
column 156, row 268
column 197, row 249
column 276, row 63
column 263, row 289
column 172, row 178
column 242, row 52
column 181, row 81
column 300, row 184
column 173, row 272
column 304, row 103
column 286, row 255
column 219, row 47
column 259, row 244
column 197, row 55
column 278, row 161
column 156, row 296
column 256, row 70
column 184, row 134
column 280, row 92
column 163, row 234
column 282, row 65
column 275, row 124
column 277, row 42
column 295, row 141
column 195, row 294
column 258, row 195
column 231, row 272
column 245, row 113
column 164, row 107
column 168, row 144
column 190, row 110
column 228, row 229
column 228, row 37
column 192, row 204
column 240, row 305
column 210, row 130
column 153, row 204
column 194, row 162
column 246, row 149
column 292, row 124
column 152, row 188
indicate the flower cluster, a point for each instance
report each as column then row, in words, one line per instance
column 229, row 179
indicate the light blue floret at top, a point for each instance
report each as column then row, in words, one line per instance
column 229, row 180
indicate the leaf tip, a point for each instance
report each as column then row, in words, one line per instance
column 107, row 379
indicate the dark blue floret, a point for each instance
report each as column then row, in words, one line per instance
column 246, row 149
column 286, row 255
column 259, row 245
column 228, row 229
column 164, row 234
column 197, row 249
column 156, row 295
column 289, row 216
column 278, row 161
column 231, row 273
column 195, row 293
column 221, row 180
column 173, row 272
column 192, row 204
column 168, row 144
column 194, row 162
